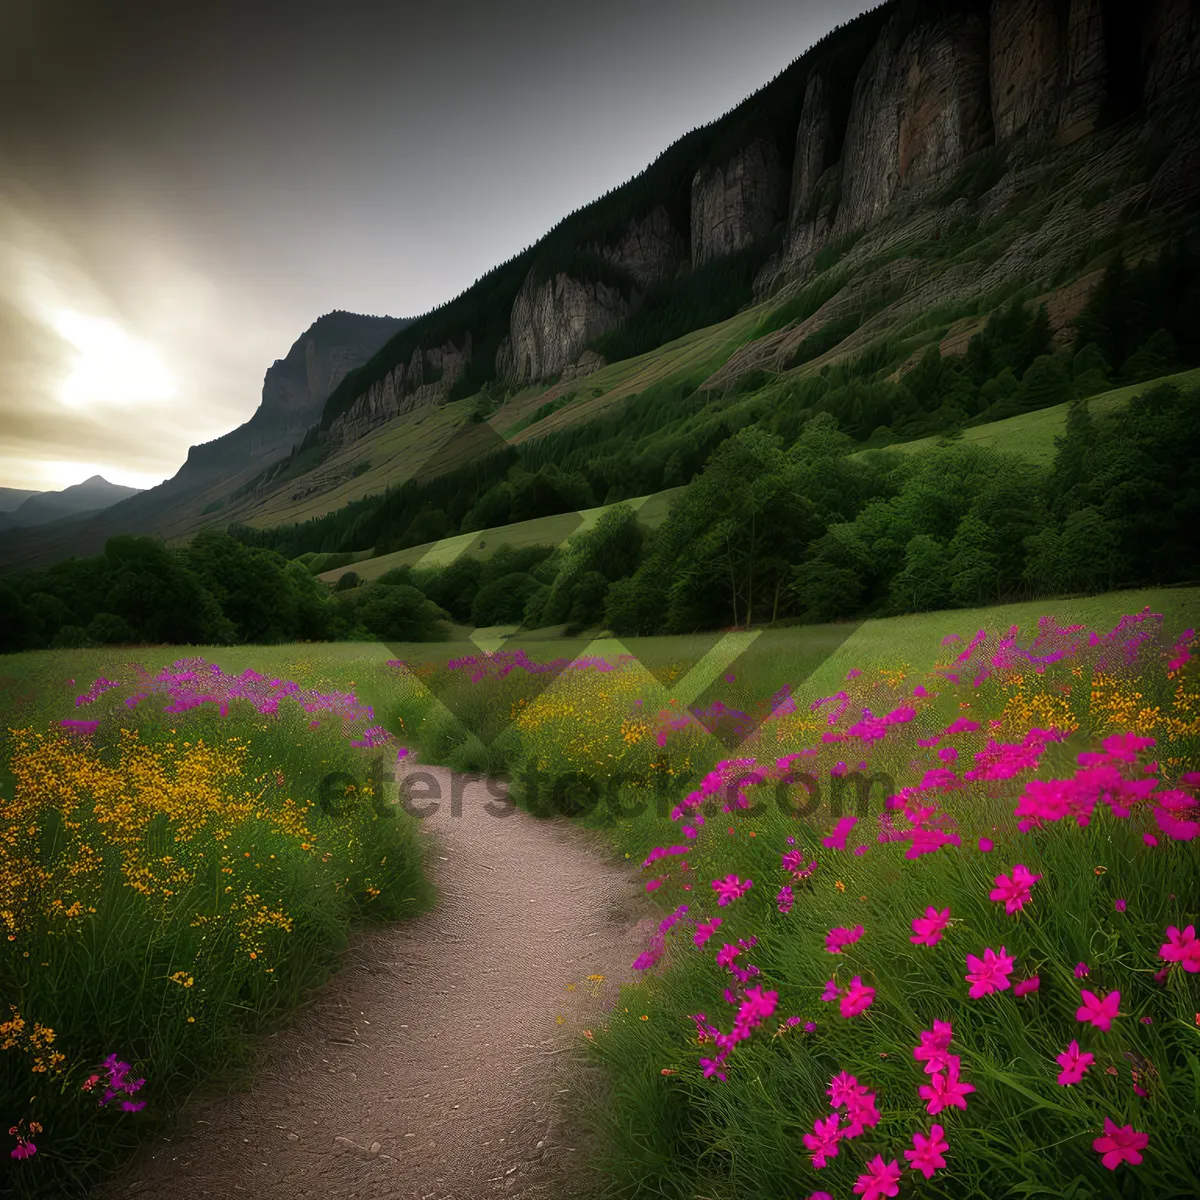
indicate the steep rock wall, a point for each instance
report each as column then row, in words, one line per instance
column 814, row 143
column 1084, row 71
column 1171, row 45
column 732, row 206
column 553, row 321
column 652, row 249
column 1025, row 53
column 426, row 378
column 921, row 105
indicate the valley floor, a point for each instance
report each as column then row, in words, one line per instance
column 436, row 1063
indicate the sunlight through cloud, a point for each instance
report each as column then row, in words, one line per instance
column 110, row 368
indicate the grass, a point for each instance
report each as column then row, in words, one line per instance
column 172, row 884
column 684, row 1134
column 539, row 531
column 1032, row 434
column 688, row 1115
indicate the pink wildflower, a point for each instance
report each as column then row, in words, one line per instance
column 881, row 1179
column 1074, row 1063
column 842, row 1089
column 24, row 1149
column 704, row 930
column 1120, row 1144
column 730, row 888
column 1014, row 890
column 928, row 930
column 1099, row 1010
column 840, row 937
column 1182, row 947
column 1081, row 970
column 934, row 1045
column 1119, row 905
column 822, row 1143
column 861, row 1114
column 831, row 992
column 837, row 839
column 945, row 1090
column 1024, row 986
column 986, row 845
column 990, row 973
column 785, row 898
column 857, row 999
column 927, row 1153
column 727, row 954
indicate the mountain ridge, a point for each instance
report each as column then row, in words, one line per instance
column 1031, row 138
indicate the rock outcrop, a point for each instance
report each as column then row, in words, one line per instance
column 734, row 205
column 296, row 387
column 1171, row 46
column 1025, row 64
column 1084, row 71
column 553, row 321
column 426, row 378
column 814, row 146
column 921, row 105
column 294, row 392
column 652, row 249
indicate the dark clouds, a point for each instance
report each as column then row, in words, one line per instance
column 212, row 177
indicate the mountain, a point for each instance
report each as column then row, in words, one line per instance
column 294, row 392
column 922, row 121
column 12, row 498
column 90, row 496
column 878, row 201
column 295, row 388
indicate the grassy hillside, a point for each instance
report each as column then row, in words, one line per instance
column 1032, row 434
column 541, row 531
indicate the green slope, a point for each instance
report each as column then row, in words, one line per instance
column 540, row 531
column 1032, row 434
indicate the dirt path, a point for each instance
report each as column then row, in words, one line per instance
column 434, row 1064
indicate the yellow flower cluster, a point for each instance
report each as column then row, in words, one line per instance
column 160, row 815
column 15, row 1034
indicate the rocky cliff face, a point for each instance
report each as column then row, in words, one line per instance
column 1084, row 73
column 734, row 205
column 814, row 143
column 426, row 378
column 1171, row 47
column 921, row 105
column 552, row 322
column 1026, row 48
column 295, row 389
column 652, row 249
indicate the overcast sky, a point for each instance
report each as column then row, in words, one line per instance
column 184, row 188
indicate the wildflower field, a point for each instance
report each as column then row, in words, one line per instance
column 929, row 926
column 929, row 886
column 172, row 879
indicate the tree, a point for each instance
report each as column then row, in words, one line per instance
column 921, row 583
column 502, row 601
column 398, row 614
column 18, row 628
column 249, row 584
column 971, row 567
column 1157, row 355
column 1045, row 384
column 107, row 629
column 159, row 596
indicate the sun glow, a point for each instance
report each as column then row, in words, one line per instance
column 111, row 368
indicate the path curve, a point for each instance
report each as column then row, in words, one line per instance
column 433, row 1064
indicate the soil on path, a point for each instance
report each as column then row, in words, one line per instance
column 434, row 1064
